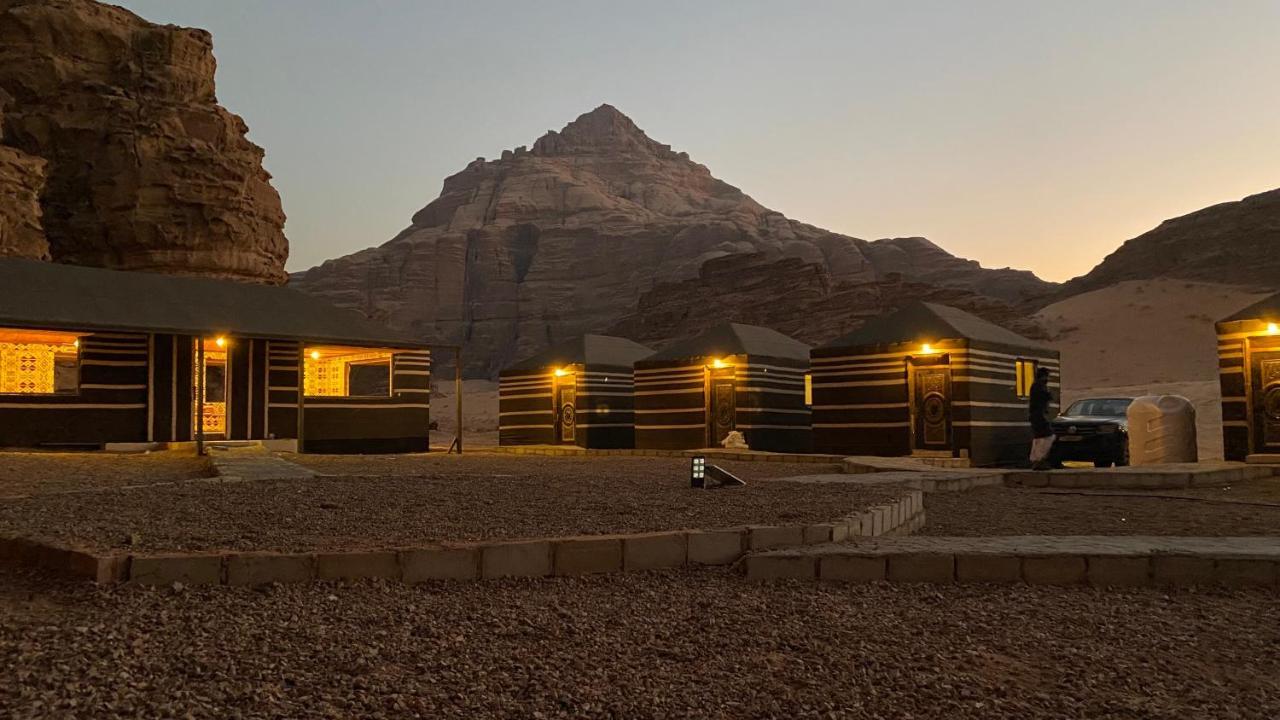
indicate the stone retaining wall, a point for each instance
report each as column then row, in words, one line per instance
column 539, row 557
column 1095, row 561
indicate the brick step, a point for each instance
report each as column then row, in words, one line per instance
column 1100, row 561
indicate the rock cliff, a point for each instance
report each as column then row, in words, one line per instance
column 546, row 243
column 143, row 169
column 21, row 180
column 1233, row 242
column 794, row 297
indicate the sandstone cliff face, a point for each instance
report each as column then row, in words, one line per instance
column 145, row 171
column 1234, row 242
column 794, row 297
column 21, row 179
column 545, row 244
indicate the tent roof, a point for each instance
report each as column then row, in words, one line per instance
column 68, row 297
column 922, row 321
column 736, row 339
column 1267, row 309
column 586, row 350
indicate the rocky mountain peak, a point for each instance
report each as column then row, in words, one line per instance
column 603, row 130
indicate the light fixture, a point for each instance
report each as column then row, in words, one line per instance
column 698, row 472
column 926, row 348
column 1273, row 328
column 75, row 343
column 220, row 341
column 718, row 363
column 561, row 372
column 315, row 354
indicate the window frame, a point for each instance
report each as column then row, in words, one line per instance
column 79, row 379
column 1032, row 366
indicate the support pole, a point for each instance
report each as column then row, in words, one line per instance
column 302, row 390
column 457, row 385
column 200, row 381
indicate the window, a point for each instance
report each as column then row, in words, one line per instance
column 347, row 372
column 808, row 389
column 37, row 362
column 1026, row 375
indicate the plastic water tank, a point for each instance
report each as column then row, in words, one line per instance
column 1162, row 429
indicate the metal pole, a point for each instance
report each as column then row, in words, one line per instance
column 457, row 385
column 200, row 380
column 302, row 390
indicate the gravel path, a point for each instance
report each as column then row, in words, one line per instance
column 28, row 473
column 1010, row 511
column 671, row 645
column 468, row 498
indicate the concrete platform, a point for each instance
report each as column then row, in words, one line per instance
column 716, row 453
column 871, row 464
column 1263, row 459
column 931, row 480
column 1100, row 561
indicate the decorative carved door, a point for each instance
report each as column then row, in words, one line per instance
column 1266, row 402
column 724, row 410
column 566, row 411
column 931, row 408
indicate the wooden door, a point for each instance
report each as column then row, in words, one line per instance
column 931, row 408
column 566, row 412
column 724, row 410
column 1265, row 387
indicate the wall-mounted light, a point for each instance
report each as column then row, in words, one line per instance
column 75, row 343
column 561, row 372
column 719, row 363
column 1273, row 328
column 315, row 354
column 926, row 348
column 220, row 341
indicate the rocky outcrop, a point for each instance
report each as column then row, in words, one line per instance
column 794, row 297
column 21, row 179
column 145, row 171
column 1233, row 242
column 547, row 243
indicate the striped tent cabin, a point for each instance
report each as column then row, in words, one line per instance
column 93, row 357
column 928, row 380
column 732, row 377
column 575, row 393
column 1249, row 373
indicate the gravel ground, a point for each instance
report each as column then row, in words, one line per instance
column 470, row 498
column 681, row 644
column 1019, row 511
column 29, row 473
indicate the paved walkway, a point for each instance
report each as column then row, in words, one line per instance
column 1040, row 560
column 254, row 463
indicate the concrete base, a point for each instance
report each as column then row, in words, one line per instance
column 1263, row 459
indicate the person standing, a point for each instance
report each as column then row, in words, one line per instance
column 1041, row 428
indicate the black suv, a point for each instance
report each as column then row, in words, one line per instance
column 1093, row 429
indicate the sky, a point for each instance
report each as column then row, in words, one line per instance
column 1036, row 135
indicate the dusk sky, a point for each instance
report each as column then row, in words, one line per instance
column 1023, row 134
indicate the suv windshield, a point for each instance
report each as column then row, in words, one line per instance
column 1099, row 407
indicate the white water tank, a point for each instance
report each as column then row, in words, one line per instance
column 1162, row 429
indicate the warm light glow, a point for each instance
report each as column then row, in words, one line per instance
column 220, row 342
column 718, row 363
column 76, row 343
column 1272, row 328
column 327, row 371
column 926, row 348
column 561, row 372
column 315, row 354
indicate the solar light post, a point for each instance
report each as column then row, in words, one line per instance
column 698, row 472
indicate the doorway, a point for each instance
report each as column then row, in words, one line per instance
column 723, row 411
column 1264, row 384
column 566, row 409
column 211, row 383
column 931, row 408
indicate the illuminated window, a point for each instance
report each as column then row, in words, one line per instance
column 36, row 362
column 1026, row 375
column 808, row 389
column 347, row 372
